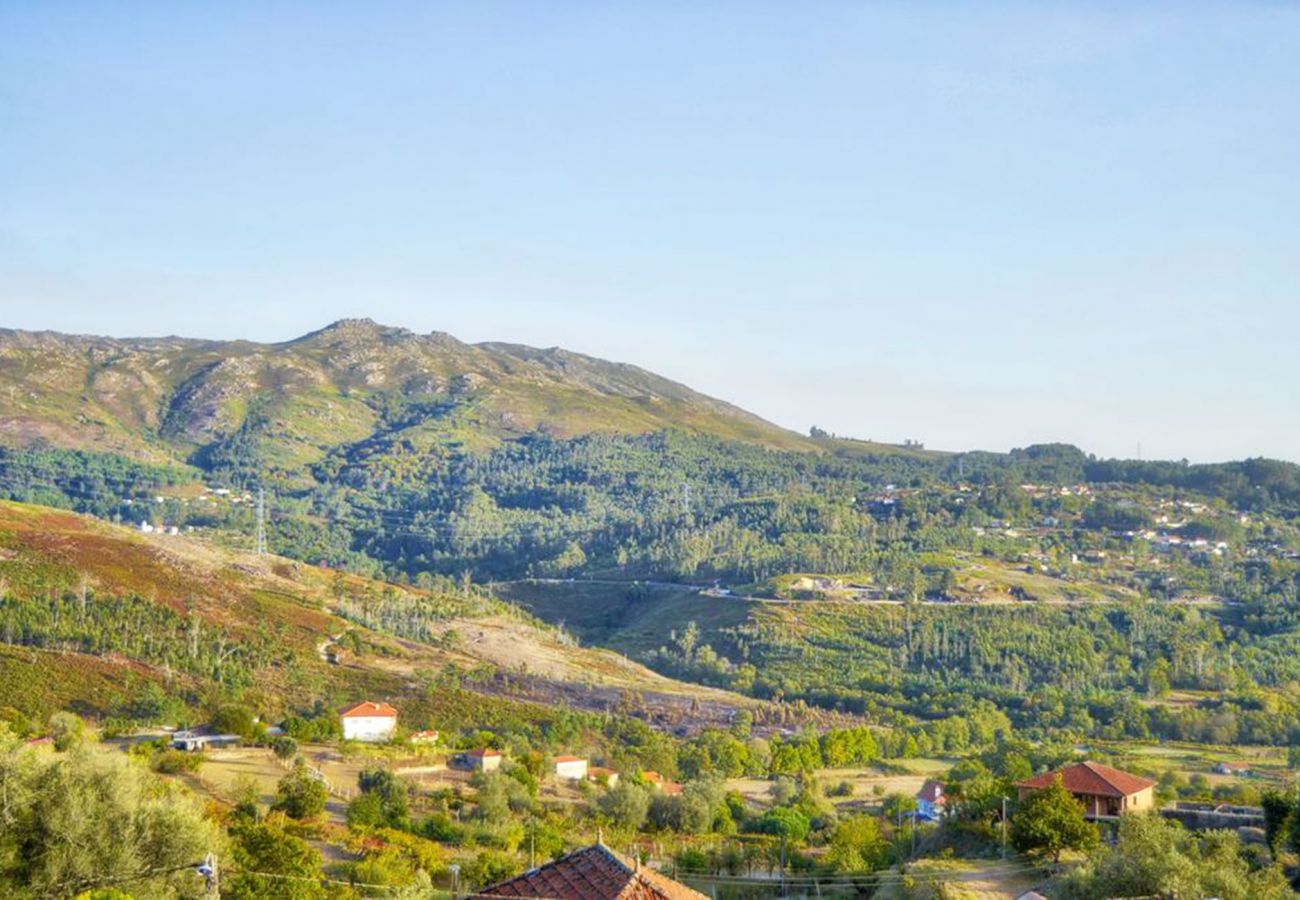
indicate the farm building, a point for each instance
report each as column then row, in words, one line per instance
column 424, row 737
column 369, row 721
column 484, row 760
column 1103, row 791
column 1232, row 768
column 599, row 774
column 193, row 741
column 572, row 768
column 662, row 784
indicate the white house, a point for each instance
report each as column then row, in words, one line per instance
column 487, row 760
column 930, row 801
column 369, row 721
column 572, row 768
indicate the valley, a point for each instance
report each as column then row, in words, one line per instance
column 771, row 647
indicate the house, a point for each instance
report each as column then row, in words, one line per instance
column 930, row 801
column 424, row 737
column 486, row 760
column 571, row 768
column 1232, row 768
column 597, row 774
column 1103, row 791
column 661, row 784
column 369, row 721
column 593, row 873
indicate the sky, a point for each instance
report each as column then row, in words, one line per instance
column 975, row 225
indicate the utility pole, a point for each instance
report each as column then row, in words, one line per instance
column 1004, row 827
column 783, row 888
column 261, row 521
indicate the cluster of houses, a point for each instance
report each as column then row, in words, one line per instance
column 376, row 723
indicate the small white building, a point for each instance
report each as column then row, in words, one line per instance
column 369, row 721
column 487, row 760
column 572, row 768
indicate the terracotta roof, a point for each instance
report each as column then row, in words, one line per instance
column 564, row 759
column 1093, row 779
column 932, row 790
column 594, row 873
column 488, row 752
column 369, row 709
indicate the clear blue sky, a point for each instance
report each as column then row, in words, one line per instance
column 976, row 225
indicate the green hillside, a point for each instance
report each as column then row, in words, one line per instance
column 183, row 400
column 92, row 616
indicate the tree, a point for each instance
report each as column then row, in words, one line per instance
column 88, row 818
column 284, row 747
column 300, row 794
column 67, row 730
column 1051, row 821
column 1155, row 857
column 1277, row 810
column 262, row 852
column 383, row 801
column 857, row 846
column 784, row 822
column 626, row 804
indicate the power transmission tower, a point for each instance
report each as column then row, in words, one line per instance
column 261, row 521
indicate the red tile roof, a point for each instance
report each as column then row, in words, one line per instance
column 594, row 873
column 1093, row 779
column 564, row 759
column 932, row 790
column 488, row 752
column 369, row 709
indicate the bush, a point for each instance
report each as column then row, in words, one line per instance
column 173, row 762
column 300, row 795
column 284, row 747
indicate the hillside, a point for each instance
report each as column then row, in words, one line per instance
column 90, row 613
column 184, row 400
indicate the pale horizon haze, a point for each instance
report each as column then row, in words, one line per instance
column 972, row 225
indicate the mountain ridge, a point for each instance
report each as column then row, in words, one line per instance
column 171, row 397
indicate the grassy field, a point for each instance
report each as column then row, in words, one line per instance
column 870, row 783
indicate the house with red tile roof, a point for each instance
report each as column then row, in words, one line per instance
column 1233, row 768
column 930, row 801
column 369, row 721
column 1104, row 792
column 598, row 774
column 660, row 783
column 486, row 760
column 594, row 873
column 570, row 768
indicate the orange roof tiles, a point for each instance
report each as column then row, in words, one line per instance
column 369, row 709
column 1091, row 778
column 594, row 873
column 932, row 791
